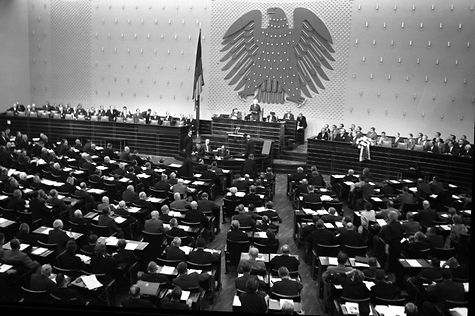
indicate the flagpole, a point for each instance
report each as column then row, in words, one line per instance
column 197, row 116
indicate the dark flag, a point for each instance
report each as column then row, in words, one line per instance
column 198, row 82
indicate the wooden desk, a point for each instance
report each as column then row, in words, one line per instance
column 147, row 139
column 335, row 157
column 43, row 230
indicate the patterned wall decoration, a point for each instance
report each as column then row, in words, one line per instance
column 411, row 67
column 71, row 50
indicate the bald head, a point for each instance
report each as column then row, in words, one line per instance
column 253, row 252
column 285, row 249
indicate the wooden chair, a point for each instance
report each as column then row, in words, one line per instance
column 9, row 213
column 443, row 253
column 72, row 273
column 386, row 301
column 34, row 297
column 233, row 251
column 265, row 248
column 102, row 231
column 327, row 250
column 312, row 205
column 353, row 251
column 27, row 217
column 295, row 298
column 163, row 194
column 167, row 262
column 50, row 246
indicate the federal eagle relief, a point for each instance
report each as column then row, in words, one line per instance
column 277, row 63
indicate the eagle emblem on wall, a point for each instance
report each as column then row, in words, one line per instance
column 277, row 63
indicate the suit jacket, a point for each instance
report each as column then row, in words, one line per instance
column 58, row 237
column 40, row 282
column 288, row 116
column 301, row 122
column 174, row 253
column 168, row 304
column 162, row 185
column 290, row 262
column 250, row 148
column 190, row 280
column 240, row 282
column 287, row 287
column 194, row 216
column 153, row 226
column 106, row 220
column 312, row 197
column 245, row 220
column 19, row 259
column 321, row 236
column 67, row 261
column 351, row 238
column 180, row 188
column 446, row 290
column 154, row 277
column 254, row 303
column 208, row 205
column 177, row 232
column 384, row 290
column 237, row 235
column 426, row 217
column 249, row 167
column 129, row 196
column 202, row 257
column 255, row 112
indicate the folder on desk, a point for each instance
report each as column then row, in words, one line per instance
column 333, row 261
column 91, row 281
column 148, row 288
column 119, row 219
column 5, row 267
column 413, row 263
column 38, row 251
column 131, row 246
column 329, row 225
column 167, row 270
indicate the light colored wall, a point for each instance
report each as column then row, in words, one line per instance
column 78, row 54
column 14, row 54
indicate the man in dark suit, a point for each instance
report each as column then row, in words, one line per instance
column 129, row 195
column 426, row 216
column 301, row 126
column 187, row 280
column 244, row 218
column 312, row 196
column 162, row 184
column 173, row 251
column 134, row 301
column 41, row 281
column 188, row 144
column 285, row 260
column 271, row 117
column 288, row 116
column 172, row 302
column 235, row 234
column 383, row 288
column 17, row 258
column 154, row 224
column 332, row 216
column 286, row 286
column 57, row 235
column 200, row 256
column 438, row 293
column 249, row 166
column 350, row 236
column 240, row 282
column 250, row 146
column 252, row 197
column 105, row 219
column 320, row 235
column 255, row 110
column 194, row 215
column 451, row 149
column 205, row 206
column 176, row 231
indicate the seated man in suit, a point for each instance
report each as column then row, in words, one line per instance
column 41, row 280
column 320, row 235
column 179, row 187
column 129, row 195
column 244, row 218
column 332, row 216
column 68, row 259
column 152, row 275
column 438, row 293
column 311, row 196
column 411, row 226
column 383, row 288
column 17, row 258
column 258, row 266
column 426, row 216
column 286, row 286
column 134, row 301
column 163, row 183
column 164, row 216
column 194, row 215
column 240, row 282
column 243, row 184
column 106, row 219
column 187, row 280
column 179, row 203
column 235, row 233
column 285, row 260
column 173, row 302
column 252, row 197
column 350, row 236
column 173, row 251
column 176, row 231
column 200, row 256
column 154, row 224
column 57, row 235
column 370, row 272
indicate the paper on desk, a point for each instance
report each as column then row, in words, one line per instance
column 408, row 181
column 23, row 246
column 174, row 165
column 368, row 284
column 236, row 301
column 260, row 234
column 112, row 241
column 352, row 308
column 260, row 209
column 322, row 212
column 394, row 181
column 326, row 198
column 338, row 176
column 329, row 225
column 184, row 227
column 413, row 263
column 143, row 175
column 186, row 181
column 349, row 183
column 120, row 219
column 3, row 220
column 154, row 199
column 185, row 295
column 124, row 180
column 283, row 300
column 3, row 197
column 194, row 270
column 433, row 196
column 91, row 281
column 240, row 194
column 376, row 199
column 167, row 270
column 5, row 267
column 133, row 209
column 413, row 189
column 309, row 211
column 85, row 259
column 131, row 246
column 102, row 168
column 186, row 249
column 197, row 175
column 444, row 227
column 332, row 261
column 459, row 311
column 381, row 222
column 167, row 226
column 339, row 224
column 456, row 197
column 198, row 182
column 38, row 251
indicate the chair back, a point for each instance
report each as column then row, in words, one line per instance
column 353, row 251
column 167, row 262
column 72, row 273
column 265, row 248
column 32, row 296
column 191, row 224
column 102, row 231
column 452, row 303
column 386, row 301
column 8, row 213
column 75, row 227
column 313, row 205
column 337, row 205
column 443, row 253
column 64, row 301
column 50, row 246
column 278, row 296
column 155, row 239
column 234, row 249
column 200, row 266
column 328, row 250
column 163, row 194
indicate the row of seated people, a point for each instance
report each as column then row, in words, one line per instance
column 62, row 111
column 374, row 286
column 422, row 142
